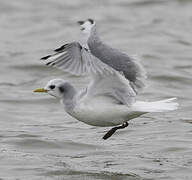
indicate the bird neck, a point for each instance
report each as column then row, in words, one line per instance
column 68, row 99
column 93, row 36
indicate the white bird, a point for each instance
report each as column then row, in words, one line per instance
column 116, row 79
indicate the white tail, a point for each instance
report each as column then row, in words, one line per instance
column 156, row 106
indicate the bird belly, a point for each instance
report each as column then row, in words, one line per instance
column 102, row 112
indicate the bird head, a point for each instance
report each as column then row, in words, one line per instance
column 86, row 26
column 57, row 88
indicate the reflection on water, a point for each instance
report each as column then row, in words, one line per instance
column 38, row 140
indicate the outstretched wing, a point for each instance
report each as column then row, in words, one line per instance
column 75, row 59
column 130, row 67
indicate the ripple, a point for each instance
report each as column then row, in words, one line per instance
column 183, row 66
column 175, row 149
column 184, row 42
column 149, row 171
column 187, row 120
column 142, row 3
column 20, row 136
column 147, row 3
column 92, row 175
column 31, row 143
column 32, row 67
column 7, row 84
column 171, row 78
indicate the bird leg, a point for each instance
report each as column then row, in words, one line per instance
column 112, row 131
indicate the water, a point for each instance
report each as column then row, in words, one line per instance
column 38, row 140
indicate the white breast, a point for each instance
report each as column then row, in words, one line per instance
column 102, row 111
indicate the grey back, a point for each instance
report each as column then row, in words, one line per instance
column 130, row 67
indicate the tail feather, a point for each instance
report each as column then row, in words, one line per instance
column 157, row 106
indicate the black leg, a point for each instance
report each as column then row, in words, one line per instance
column 112, row 131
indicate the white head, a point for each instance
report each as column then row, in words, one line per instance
column 58, row 88
column 87, row 25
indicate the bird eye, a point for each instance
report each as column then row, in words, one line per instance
column 52, row 86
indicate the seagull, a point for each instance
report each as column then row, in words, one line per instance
column 109, row 100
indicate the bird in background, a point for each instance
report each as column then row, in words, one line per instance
column 109, row 100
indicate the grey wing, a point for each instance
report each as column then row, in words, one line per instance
column 75, row 59
column 130, row 67
column 112, row 85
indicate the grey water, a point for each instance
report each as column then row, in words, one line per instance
column 38, row 140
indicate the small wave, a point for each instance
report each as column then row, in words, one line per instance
column 146, row 3
column 171, row 78
column 31, row 143
column 66, row 173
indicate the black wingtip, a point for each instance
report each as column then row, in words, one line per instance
column 46, row 57
column 61, row 48
column 50, row 63
column 80, row 22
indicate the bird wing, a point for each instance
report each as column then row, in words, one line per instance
column 129, row 66
column 75, row 59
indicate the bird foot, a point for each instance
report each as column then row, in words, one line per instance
column 112, row 131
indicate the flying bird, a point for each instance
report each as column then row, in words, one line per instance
column 109, row 100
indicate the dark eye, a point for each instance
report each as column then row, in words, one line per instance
column 52, row 86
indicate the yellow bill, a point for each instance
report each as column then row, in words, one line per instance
column 40, row 90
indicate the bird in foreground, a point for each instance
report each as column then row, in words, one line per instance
column 116, row 79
